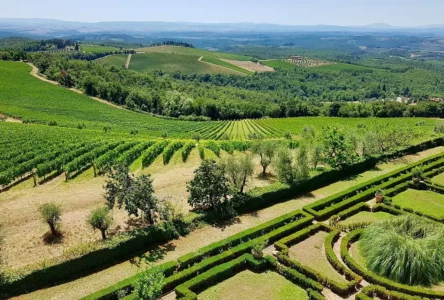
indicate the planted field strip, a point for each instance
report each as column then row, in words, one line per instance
column 86, row 160
column 57, row 164
column 107, row 159
column 221, row 131
column 169, row 151
column 153, row 152
column 270, row 127
column 228, row 65
column 128, row 157
column 212, row 131
column 259, row 129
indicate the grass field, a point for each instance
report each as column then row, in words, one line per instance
column 186, row 64
column 28, row 98
column 97, row 48
column 310, row 252
column 426, row 202
column 186, row 60
column 249, row 285
column 439, row 179
column 344, row 67
column 193, row 51
column 366, row 217
column 216, row 61
column 277, row 63
column 117, row 60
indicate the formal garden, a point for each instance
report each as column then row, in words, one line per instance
column 376, row 240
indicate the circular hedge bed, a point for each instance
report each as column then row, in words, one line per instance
column 406, row 249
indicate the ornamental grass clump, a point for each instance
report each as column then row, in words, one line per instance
column 405, row 249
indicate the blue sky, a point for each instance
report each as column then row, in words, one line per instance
column 293, row 12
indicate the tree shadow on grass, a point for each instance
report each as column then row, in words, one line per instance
column 50, row 239
column 227, row 223
column 155, row 254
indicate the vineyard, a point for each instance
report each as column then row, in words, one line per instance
column 185, row 60
column 239, row 130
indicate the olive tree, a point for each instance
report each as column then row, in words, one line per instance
column 238, row 170
column 291, row 169
column 51, row 213
column 101, row 219
column 266, row 151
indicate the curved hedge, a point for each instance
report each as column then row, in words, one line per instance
column 379, row 280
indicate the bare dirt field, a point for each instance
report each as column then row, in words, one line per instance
column 249, row 65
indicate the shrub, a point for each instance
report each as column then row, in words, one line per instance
column 148, row 285
column 406, row 249
column 186, row 150
column 169, row 151
column 100, row 219
column 51, row 213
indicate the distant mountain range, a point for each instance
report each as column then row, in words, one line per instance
column 50, row 27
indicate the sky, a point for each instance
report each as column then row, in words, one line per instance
column 286, row 12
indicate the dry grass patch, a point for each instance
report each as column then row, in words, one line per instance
column 249, row 65
column 249, row 285
column 311, row 253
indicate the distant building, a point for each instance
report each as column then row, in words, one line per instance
column 295, row 57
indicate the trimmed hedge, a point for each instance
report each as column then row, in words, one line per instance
column 169, row 151
column 329, row 206
column 186, row 150
column 337, row 287
column 213, row 146
column 371, row 291
column 152, row 153
column 192, row 264
column 192, row 287
column 376, row 279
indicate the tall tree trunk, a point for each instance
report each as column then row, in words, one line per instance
column 103, row 231
column 53, row 230
column 244, row 181
column 264, row 170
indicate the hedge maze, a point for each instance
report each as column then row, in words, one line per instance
column 336, row 219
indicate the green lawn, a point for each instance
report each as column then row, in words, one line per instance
column 311, row 253
column 366, row 217
column 97, row 48
column 439, row 179
column 279, row 64
column 248, row 285
column 426, row 202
